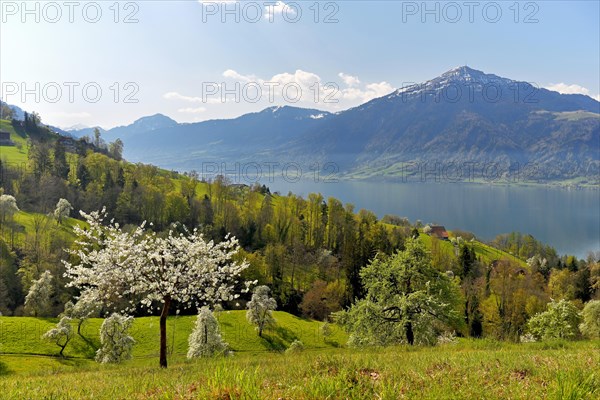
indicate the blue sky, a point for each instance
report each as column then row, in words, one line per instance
column 191, row 59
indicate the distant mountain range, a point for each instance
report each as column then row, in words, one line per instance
column 464, row 123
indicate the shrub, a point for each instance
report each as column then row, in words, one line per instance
column 325, row 329
column 295, row 347
column 527, row 338
column 447, row 338
column 560, row 321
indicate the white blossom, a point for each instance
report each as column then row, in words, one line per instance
column 63, row 210
column 8, row 207
column 141, row 267
column 116, row 344
column 86, row 307
column 61, row 334
column 37, row 301
column 260, row 307
column 205, row 340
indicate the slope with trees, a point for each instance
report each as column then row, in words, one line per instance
column 309, row 251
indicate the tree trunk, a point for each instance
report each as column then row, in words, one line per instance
column 410, row 336
column 63, row 346
column 163, row 331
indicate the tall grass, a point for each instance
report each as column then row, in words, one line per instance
column 463, row 371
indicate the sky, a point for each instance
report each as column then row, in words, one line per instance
column 109, row 63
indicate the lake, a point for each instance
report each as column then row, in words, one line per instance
column 567, row 219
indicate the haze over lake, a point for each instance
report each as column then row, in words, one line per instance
column 566, row 219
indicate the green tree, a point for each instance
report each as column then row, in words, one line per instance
column 176, row 208
column 335, row 223
column 314, row 218
column 206, row 212
column 83, row 175
column 466, row 260
column 97, row 137
column 5, row 111
column 60, row 166
column 515, row 294
column 414, row 233
column 594, row 281
column 275, row 257
column 407, row 300
column 591, row 320
column 116, row 149
column 39, row 156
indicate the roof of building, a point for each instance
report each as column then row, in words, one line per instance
column 439, row 231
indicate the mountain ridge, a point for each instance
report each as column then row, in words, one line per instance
column 462, row 116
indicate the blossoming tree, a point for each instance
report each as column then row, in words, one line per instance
column 61, row 334
column 205, row 340
column 144, row 268
column 260, row 309
column 116, row 343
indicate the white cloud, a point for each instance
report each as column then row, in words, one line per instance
column 231, row 74
column 565, row 88
column 191, row 110
column 568, row 89
column 271, row 9
column 278, row 9
column 379, row 89
column 308, row 87
column 349, row 80
column 190, row 99
column 178, row 96
column 299, row 85
column 303, row 78
column 370, row 92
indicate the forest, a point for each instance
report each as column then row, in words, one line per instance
column 311, row 252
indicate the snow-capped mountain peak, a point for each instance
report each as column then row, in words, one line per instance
column 463, row 75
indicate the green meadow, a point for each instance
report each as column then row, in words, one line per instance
column 259, row 368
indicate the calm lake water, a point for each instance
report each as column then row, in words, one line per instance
column 569, row 220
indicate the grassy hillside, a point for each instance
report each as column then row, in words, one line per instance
column 486, row 253
column 466, row 370
column 25, row 225
column 13, row 154
column 489, row 254
column 23, row 336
